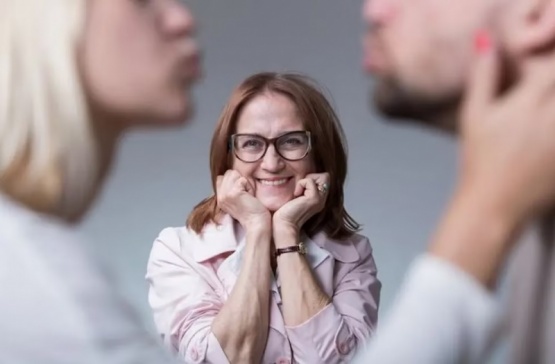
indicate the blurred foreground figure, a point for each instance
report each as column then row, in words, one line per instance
column 71, row 83
column 485, row 70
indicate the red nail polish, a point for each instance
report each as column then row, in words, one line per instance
column 482, row 42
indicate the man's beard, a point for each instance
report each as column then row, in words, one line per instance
column 400, row 104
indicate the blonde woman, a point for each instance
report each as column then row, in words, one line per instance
column 71, row 82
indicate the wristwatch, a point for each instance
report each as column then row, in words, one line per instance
column 299, row 248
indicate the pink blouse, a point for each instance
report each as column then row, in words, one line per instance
column 191, row 276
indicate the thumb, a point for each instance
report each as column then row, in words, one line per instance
column 483, row 83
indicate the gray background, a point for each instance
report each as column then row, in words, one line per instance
column 400, row 177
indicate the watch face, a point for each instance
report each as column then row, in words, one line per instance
column 302, row 248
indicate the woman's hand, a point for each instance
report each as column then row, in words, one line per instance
column 310, row 194
column 235, row 196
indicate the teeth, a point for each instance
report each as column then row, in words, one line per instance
column 274, row 182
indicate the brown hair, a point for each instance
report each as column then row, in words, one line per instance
column 328, row 148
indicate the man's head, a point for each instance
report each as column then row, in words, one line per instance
column 420, row 50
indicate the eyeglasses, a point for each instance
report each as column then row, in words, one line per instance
column 292, row 146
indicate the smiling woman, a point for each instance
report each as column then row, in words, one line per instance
column 271, row 105
column 270, row 268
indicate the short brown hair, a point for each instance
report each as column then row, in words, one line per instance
column 328, row 148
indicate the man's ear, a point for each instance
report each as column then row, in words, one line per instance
column 535, row 29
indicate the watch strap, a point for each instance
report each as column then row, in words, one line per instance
column 299, row 248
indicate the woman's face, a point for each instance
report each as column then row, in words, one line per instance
column 139, row 59
column 273, row 177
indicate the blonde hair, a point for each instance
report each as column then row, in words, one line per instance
column 48, row 156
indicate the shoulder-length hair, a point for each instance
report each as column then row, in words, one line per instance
column 48, row 155
column 328, row 148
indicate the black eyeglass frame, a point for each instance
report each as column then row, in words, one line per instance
column 272, row 141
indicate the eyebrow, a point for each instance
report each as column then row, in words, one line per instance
column 278, row 136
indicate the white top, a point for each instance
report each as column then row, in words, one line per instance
column 441, row 315
column 58, row 306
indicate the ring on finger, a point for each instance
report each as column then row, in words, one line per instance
column 323, row 188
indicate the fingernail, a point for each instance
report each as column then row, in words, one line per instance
column 482, row 42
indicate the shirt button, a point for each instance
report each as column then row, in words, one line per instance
column 283, row 361
column 344, row 348
column 194, row 354
column 220, row 228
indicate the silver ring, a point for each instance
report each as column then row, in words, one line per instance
column 323, row 188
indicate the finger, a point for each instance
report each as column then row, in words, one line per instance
column 242, row 184
column 322, row 181
column 251, row 186
column 219, row 190
column 225, row 184
column 310, row 188
column 219, row 181
column 315, row 192
column 230, row 177
column 319, row 178
column 300, row 187
column 483, row 84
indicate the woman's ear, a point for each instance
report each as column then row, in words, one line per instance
column 535, row 28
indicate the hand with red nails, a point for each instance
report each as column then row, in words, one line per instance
column 507, row 137
column 507, row 156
